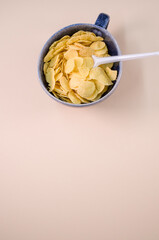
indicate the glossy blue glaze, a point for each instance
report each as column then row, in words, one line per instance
column 99, row 29
column 102, row 20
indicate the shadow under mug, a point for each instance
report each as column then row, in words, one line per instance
column 100, row 29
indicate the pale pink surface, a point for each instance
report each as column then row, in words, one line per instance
column 78, row 174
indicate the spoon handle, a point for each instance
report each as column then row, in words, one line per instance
column 99, row 60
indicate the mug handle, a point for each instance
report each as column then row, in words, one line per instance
column 102, row 20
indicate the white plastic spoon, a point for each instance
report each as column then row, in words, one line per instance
column 104, row 60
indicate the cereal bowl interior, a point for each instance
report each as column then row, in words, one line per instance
column 113, row 49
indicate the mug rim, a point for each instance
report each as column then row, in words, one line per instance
column 84, row 104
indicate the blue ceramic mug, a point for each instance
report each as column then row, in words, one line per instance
column 100, row 29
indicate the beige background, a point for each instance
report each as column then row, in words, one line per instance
column 78, row 174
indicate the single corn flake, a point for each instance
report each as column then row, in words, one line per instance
column 86, row 89
column 74, row 98
column 64, row 84
column 70, row 54
column 112, row 74
column 50, row 79
column 98, row 45
column 70, row 64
